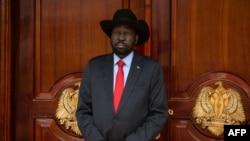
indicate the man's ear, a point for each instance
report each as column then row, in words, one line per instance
column 136, row 38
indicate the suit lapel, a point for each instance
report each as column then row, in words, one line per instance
column 108, row 78
column 133, row 75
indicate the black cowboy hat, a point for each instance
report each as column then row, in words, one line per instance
column 126, row 16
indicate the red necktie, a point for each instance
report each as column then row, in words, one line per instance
column 119, row 84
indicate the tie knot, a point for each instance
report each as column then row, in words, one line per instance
column 120, row 63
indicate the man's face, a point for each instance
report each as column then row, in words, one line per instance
column 123, row 39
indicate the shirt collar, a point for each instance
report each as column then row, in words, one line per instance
column 127, row 60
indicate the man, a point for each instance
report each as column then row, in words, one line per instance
column 125, row 102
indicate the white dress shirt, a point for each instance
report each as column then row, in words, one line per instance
column 127, row 60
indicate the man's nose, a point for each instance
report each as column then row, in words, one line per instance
column 122, row 36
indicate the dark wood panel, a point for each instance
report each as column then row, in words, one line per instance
column 23, row 69
column 209, row 43
column 5, row 70
column 197, row 40
column 69, row 37
column 204, row 39
column 139, row 8
column 184, row 130
column 48, row 130
column 237, row 39
column 160, row 50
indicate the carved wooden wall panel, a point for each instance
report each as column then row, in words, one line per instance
column 197, row 42
column 209, row 36
column 52, row 43
column 47, row 129
column 184, row 130
column 209, row 43
column 67, row 35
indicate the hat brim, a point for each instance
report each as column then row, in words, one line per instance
column 140, row 26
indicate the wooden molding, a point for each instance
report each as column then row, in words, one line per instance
column 5, row 70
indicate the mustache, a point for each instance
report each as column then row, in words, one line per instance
column 120, row 43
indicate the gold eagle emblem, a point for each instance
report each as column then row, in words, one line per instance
column 215, row 108
column 66, row 109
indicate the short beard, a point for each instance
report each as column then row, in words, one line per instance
column 123, row 53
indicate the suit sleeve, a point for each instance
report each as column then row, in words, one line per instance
column 157, row 109
column 84, row 110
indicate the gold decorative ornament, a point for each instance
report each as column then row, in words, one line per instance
column 170, row 111
column 65, row 112
column 215, row 108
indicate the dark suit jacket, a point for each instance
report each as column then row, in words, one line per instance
column 143, row 108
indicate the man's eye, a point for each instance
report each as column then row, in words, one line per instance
column 127, row 33
column 121, row 33
column 116, row 33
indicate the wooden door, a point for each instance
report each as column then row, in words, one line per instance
column 199, row 43
column 52, row 42
column 210, row 61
